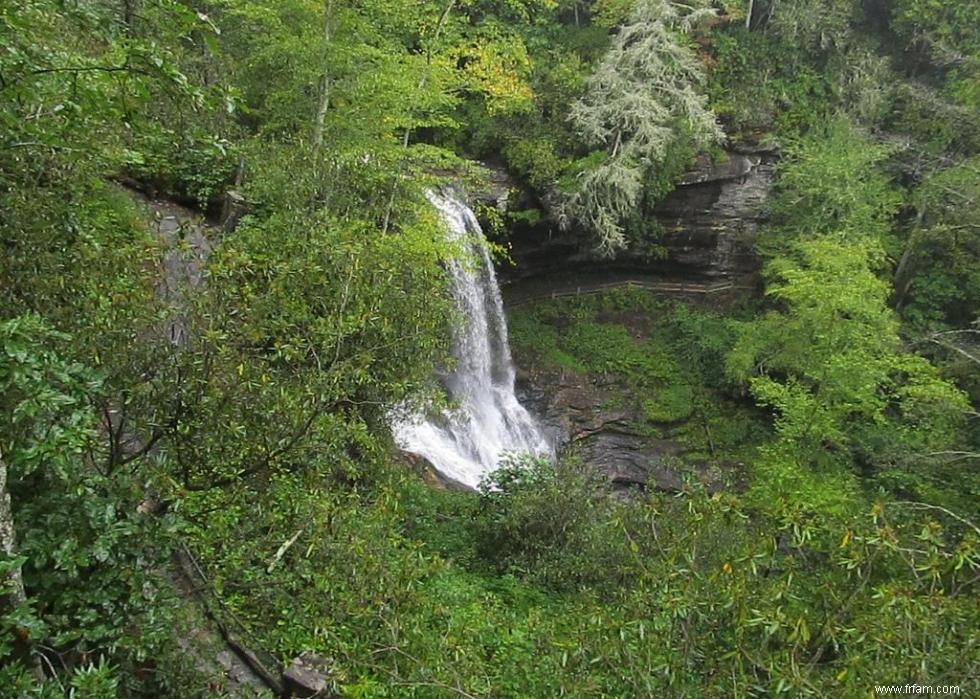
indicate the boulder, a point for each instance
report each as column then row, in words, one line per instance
column 233, row 208
column 429, row 473
column 308, row 676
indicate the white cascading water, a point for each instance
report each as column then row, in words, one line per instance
column 488, row 422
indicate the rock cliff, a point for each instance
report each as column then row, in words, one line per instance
column 709, row 222
column 599, row 421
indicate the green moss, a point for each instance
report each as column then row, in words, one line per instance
column 605, row 348
column 667, row 356
column 566, row 361
column 671, row 404
column 530, row 335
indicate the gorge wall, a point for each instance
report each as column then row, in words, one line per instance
column 709, row 223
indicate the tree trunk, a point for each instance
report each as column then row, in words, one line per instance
column 902, row 280
column 748, row 15
column 14, row 581
column 129, row 15
column 324, row 104
column 903, row 277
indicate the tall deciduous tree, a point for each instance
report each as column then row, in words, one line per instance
column 832, row 181
column 324, row 97
column 832, row 367
column 937, row 279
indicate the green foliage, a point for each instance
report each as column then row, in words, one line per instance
column 589, row 583
column 937, row 281
column 937, row 107
column 83, row 541
column 593, row 582
column 946, row 31
column 762, row 84
column 676, row 402
column 261, row 439
column 832, row 367
column 538, row 338
column 96, row 681
column 265, row 359
column 848, row 397
column 194, row 164
column 537, row 159
column 47, row 424
column 833, row 182
column 607, row 348
column 541, row 521
column 664, row 360
column 813, row 25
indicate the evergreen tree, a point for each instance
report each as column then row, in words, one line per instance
column 641, row 98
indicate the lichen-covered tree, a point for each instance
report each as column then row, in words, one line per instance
column 812, row 25
column 642, row 97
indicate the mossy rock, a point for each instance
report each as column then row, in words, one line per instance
column 671, row 404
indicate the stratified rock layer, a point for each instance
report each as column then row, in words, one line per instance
column 709, row 221
column 602, row 425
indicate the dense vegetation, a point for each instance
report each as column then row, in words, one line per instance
column 843, row 552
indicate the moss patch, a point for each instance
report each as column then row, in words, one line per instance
column 666, row 355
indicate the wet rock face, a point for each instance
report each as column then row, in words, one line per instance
column 711, row 218
column 429, row 474
column 597, row 423
column 709, row 221
column 187, row 240
column 630, row 460
column 497, row 188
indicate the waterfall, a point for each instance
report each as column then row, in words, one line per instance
column 466, row 443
